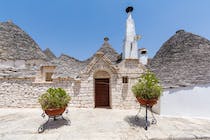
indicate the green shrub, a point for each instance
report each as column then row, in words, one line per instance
column 148, row 86
column 54, row 98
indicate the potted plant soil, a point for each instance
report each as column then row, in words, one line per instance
column 54, row 101
column 147, row 90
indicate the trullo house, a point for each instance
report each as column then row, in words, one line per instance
column 103, row 80
column 183, row 66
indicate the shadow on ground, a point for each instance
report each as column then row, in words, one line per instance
column 55, row 123
column 136, row 121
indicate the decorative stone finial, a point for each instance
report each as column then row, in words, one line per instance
column 10, row 21
column 129, row 9
column 99, row 53
column 180, row 31
column 106, row 39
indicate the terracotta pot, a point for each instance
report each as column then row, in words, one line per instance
column 55, row 112
column 148, row 102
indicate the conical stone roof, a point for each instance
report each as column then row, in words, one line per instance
column 108, row 51
column 49, row 54
column 183, row 60
column 17, row 44
column 68, row 67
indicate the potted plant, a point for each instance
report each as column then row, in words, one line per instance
column 147, row 90
column 54, row 101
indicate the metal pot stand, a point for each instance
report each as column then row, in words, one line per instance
column 154, row 120
column 43, row 127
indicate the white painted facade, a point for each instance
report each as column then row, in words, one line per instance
column 130, row 48
column 185, row 102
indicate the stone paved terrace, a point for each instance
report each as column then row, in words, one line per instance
column 98, row 124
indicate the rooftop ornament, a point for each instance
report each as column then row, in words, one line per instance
column 129, row 9
column 106, row 39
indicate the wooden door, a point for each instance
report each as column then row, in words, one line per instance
column 101, row 92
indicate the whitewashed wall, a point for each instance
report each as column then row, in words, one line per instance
column 186, row 102
column 143, row 58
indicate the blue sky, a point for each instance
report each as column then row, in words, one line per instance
column 77, row 27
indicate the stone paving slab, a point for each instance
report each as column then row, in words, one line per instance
column 98, row 124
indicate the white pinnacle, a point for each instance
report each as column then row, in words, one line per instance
column 130, row 50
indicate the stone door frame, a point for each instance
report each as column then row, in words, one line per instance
column 103, row 74
column 104, row 81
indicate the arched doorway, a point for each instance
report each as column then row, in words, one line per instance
column 102, row 89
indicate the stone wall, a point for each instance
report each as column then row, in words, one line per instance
column 122, row 96
column 25, row 93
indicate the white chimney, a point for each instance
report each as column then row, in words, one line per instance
column 143, row 56
column 130, row 48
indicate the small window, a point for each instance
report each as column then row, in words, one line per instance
column 125, row 79
column 49, row 77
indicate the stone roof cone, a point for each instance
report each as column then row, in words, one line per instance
column 49, row 54
column 17, row 44
column 183, row 60
column 108, row 51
